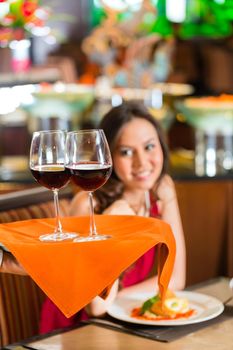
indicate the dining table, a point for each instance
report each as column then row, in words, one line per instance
column 215, row 334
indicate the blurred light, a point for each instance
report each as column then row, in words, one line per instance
column 176, row 10
column 4, row 9
column 59, row 87
column 211, row 155
column 21, row 44
column 228, row 151
column 42, row 14
column 9, row 101
column 50, row 40
column 12, row 98
column 24, row 93
column 20, row 52
column 154, row 99
column 116, row 100
column 219, row 1
column 41, row 31
column 121, row 5
column 134, row 5
column 97, row 3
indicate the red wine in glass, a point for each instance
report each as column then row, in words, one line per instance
column 90, row 175
column 89, row 161
column 52, row 176
column 47, row 164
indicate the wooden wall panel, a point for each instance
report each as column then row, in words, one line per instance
column 206, row 212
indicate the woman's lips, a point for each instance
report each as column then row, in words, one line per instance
column 143, row 175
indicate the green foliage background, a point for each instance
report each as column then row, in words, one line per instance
column 204, row 18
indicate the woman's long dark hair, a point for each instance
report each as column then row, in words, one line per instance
column 112, row 123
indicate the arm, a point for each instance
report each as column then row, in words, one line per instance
column 98, row 306
column 9, row 264
column 79, row 205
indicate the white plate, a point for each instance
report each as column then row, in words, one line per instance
column 206, row 307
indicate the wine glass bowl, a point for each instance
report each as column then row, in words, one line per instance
column 90, row 176
column 47, row 158
column 51, row 176
column 89, row 162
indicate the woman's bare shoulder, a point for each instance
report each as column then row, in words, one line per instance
column 119, row 207
column 79, row 204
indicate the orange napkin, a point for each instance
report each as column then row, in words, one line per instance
column 71, row 274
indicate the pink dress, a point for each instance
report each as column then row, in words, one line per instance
column 52, row 318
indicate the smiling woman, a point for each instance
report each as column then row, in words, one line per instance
column 139, row 185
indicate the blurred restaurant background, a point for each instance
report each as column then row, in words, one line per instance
column 63, row 64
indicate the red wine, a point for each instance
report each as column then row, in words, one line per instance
column 52, row 176
column 90, row 176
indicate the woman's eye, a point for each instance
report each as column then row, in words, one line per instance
column 149, row 147
column 126, row 152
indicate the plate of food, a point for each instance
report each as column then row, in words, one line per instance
column 179, row 308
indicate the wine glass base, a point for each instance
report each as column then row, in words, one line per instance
column 94, row 238
column 57, row 237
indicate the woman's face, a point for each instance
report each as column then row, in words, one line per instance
column 138, row 155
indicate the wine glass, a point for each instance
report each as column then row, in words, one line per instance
column 47, row 155
column 89, row 161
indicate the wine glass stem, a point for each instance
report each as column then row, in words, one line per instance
column 58, row 227
column 93, row 231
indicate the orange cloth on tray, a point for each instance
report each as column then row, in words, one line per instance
column 70, row 273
